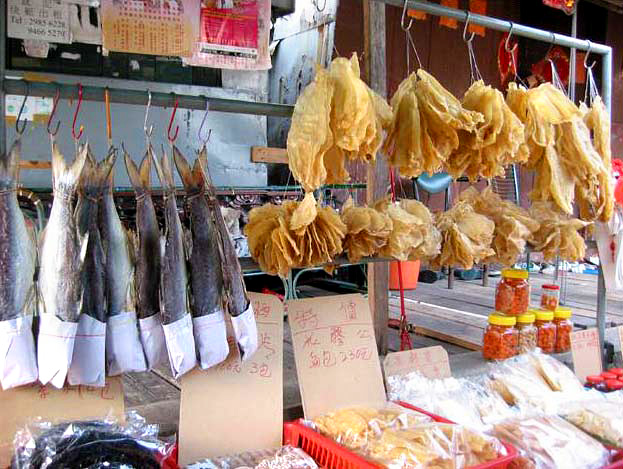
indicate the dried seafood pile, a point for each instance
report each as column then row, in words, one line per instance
column 368, row 230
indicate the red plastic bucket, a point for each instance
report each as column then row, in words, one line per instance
column 410, row 274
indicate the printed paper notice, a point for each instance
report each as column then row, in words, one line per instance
column 20, row 405
column 432, row 362
column 586, row 353
column 335, row 353
column 156, row 27
column 44, row 20
column 233, row 397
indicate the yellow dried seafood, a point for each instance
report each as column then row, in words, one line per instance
column 297, row 234
column 367, row 230
column 496, row 142
column 466, row 236
column 513, row 225
column 425, row 125
column 413, row 234
column 558, row 233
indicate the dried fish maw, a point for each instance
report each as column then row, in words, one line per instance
column 554, row 182
column 558, row 233
column 334, row 164
column 310, row 134
column 304, row 214
column 367, row 231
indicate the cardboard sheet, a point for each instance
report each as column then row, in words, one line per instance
column 432, row 362
column 586, row 353
column 335, row 352
column 21, row 405
column 236, row 407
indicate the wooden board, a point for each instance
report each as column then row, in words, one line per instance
column 35, row 164
column 269, row 155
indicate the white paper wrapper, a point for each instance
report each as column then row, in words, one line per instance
column 152, row 338
column 211, row 339
column 180, row 345
column 88, row 365
column 18, row 362
column 245, row 332
column 124, row 352
column 55, row 349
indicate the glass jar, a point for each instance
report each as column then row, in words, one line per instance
column 546, row 337
column 501, row 339
column 564, row 328
column 550, row 295
column 527, row 332
column 512, row 294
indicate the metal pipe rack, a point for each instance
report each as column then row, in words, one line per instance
column 126, row 96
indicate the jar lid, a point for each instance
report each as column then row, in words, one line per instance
column 562, row 312
column 526, row 318
column 542, row 315
column 549, row 286
column 515, row 273
column 594, row 379
column 614, row 384
column 616, row 371
column 607, row 375
column 501, row 320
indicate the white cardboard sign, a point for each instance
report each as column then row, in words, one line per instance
column 432, row 362
column 45, row 20
column 586, row 353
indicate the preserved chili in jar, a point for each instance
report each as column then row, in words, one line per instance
column 512, row 294
column 550, row 295
column 527, row 332
column 501, row 339
column 564, row 328
column 546, row 337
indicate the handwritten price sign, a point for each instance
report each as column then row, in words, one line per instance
column 335, row 349
column 217, row 403
column 432, row 362
column 586, row 353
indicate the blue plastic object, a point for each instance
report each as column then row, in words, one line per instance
column 434, row 184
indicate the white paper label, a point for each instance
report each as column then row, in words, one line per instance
column 46, row 20
column 18, row 362
column 55, row 349
column 210, row 334
column 245, row 331
column 124, row 352
column 180, row 345
column 152, row 338
column 88, row 365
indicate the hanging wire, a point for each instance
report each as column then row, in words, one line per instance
column 324, row 5
column 402, row 19
column 151, row 127
column 205, row 139
column 108, row 119
column 590, row 91
column 512, row 51
column 409, row 43
column 73, row 126
column 473, row 65
column 51, row 116
column 177, row 127
column 21, row 130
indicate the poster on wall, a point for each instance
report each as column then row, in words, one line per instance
column 43, row 20
column 234, row 35
column 155, row 27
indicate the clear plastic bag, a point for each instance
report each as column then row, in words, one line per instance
column 286, row 457
column 547, row 442
column 91, row 444
column 601, row 419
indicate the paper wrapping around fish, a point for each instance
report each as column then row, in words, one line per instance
column 153, row 341
column 210, row 333
column 180, row 345
column 18, row 360
column 245, row 332
column 88, row 363
column 124, row 352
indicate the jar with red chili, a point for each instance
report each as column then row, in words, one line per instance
column 546, row 336
column 501, row 339
column 549, row 297
column 564, row 328
column 512, row 295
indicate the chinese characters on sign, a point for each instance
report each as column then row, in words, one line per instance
column 432, row 362
column 586, row 353
column 44, row 20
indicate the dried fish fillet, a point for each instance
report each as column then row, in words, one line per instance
column 368, row 230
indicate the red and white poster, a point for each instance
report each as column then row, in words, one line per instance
column 234, row 35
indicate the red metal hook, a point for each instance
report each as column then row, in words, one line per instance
column 73, row 126
column 177, row 128
column 54, row 106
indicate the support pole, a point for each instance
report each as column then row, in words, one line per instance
column 572, row 59
column 377, row 174
column 3, row 45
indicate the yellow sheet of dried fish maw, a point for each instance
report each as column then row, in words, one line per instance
column 304, row 214
column 558, row 234
column 334, row 164
column 368, row 231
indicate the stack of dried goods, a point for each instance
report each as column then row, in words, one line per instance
column 368, row 230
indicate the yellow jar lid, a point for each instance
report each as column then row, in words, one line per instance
column 500, row 320
column 543, row 315
column 515, row 273
column 562, row 312
column 526, row 318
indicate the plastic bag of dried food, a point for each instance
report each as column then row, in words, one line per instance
column 413, row 234
column 367, row 230
column 601, row 419
column 556, row 374
column 547, row 442
column 91, row 444
column 425, row 125
column 466, row 236
column 285, row 457
column 496, row 142
column 558, row 233
column 513, row 225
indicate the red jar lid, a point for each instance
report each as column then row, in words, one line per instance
column 616, row 371
column 594, row 379
column 607, row 375
column 548, row 286
column 614, row 384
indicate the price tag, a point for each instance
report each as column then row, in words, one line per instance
column 20, row 405
column 586, row 353
column 432, row 362
column 236, row 407
column 335, row 352
column 44, row 20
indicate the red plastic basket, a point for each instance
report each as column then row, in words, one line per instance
column 617, row 461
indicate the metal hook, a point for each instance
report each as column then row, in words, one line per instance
column 586, row 66
column 203, row 121
column 471, row 38
column 73, row 126
column 324, row 5
column 507, row 43
column 402, row 19
column 177, row 127
column 19, row 114
column 151, row 127
column 54, row 106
